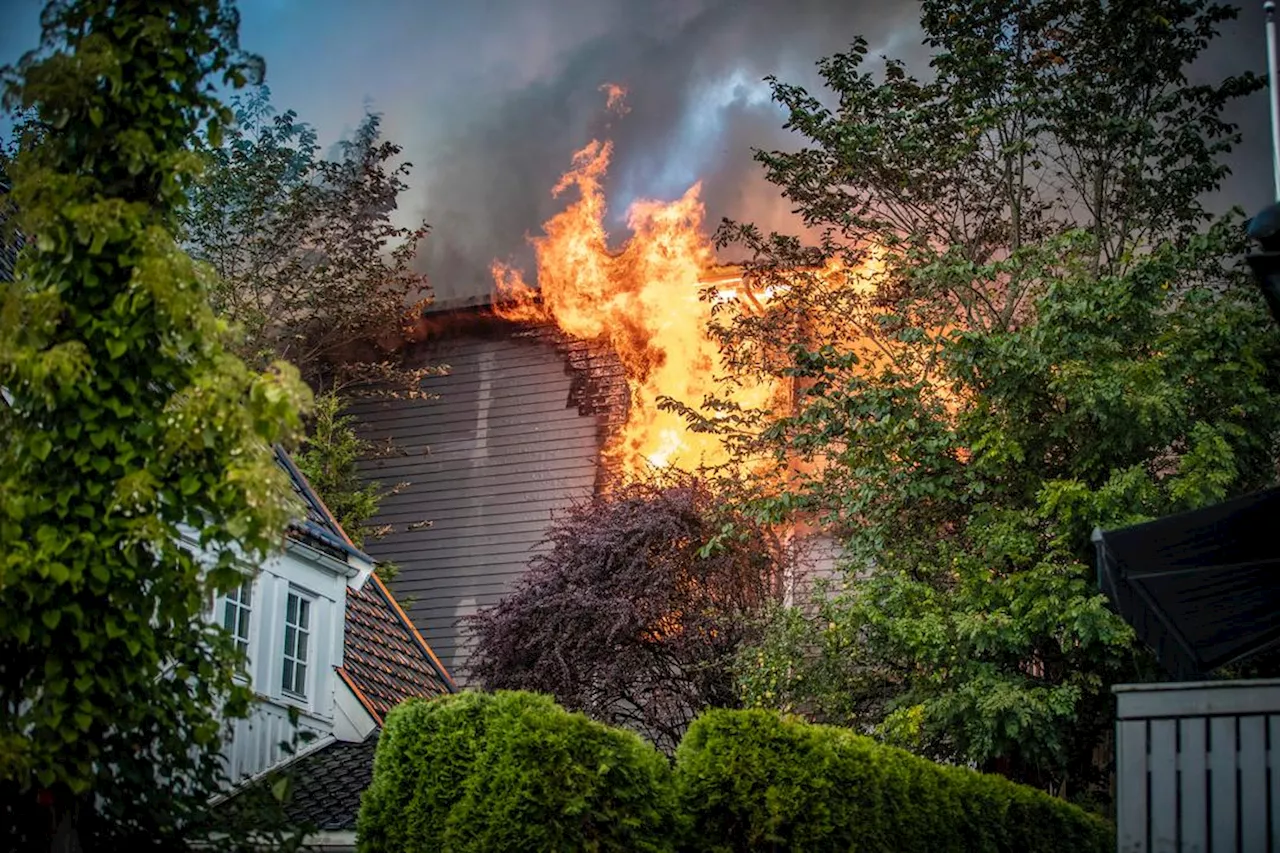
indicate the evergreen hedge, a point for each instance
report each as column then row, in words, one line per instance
column 751, row 780
column 514, row 771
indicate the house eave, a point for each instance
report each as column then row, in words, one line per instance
column 339, row 567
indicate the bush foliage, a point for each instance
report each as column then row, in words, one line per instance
column 754, row 780
column 513, row 771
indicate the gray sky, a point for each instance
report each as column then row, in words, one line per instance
column 491, row 97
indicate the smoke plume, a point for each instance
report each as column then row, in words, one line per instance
column 490, row 98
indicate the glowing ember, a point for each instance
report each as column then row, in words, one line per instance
column 615, row 95
column 644, row 300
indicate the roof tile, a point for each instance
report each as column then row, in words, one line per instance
column 384, row 657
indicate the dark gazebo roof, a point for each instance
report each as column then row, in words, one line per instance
column 1201, row 588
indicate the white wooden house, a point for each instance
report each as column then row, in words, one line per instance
column 325, row 639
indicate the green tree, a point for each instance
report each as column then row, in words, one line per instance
column 313, row 270
column 1018, row 322
column 310, row 264
column 131, row 428
column 329, row 458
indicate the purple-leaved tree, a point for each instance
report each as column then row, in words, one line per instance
column 636, row 611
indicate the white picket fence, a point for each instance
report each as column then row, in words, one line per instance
column 1195, row 767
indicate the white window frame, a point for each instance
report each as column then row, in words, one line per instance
column 298, row 648
column 238, row 606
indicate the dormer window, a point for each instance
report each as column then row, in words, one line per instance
column 297, row 635
column 235, row 614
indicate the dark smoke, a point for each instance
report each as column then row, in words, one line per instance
column 693, row 71
column 491, row 97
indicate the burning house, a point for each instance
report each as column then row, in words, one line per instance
column 512, row 435
column 549, row 392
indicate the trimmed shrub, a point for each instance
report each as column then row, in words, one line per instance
column 512, row 771
column 751, row 780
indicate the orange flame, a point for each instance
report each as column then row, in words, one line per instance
column 644, row 300
column 615, row 96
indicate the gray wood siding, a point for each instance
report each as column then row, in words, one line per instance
column 507, row 443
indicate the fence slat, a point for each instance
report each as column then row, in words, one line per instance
column 1193, row 784
column 1253, row 784
column 1131, row 785
column 1273, row 723
column 1163, row 765
column 1222, row 783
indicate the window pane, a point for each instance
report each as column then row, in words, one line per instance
column 301, row 653
column 228, row 615
column 287, row 681
column 291, row 609
column 304, row 613
column 300, row 678
column 290, row 641
column 243, row 630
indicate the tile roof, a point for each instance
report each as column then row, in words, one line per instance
column 385, row 659
column 327, row 784
column 318, row 524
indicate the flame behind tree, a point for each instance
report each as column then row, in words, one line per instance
column 643, row 299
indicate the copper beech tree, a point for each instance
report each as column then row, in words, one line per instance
column 635, row 612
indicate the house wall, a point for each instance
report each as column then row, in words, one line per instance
column 512, row 439
column 255, row 742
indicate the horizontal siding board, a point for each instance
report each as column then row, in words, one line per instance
column 442, row 464
column 510, row 413
column 478, row 525
column 486, row 464
column 450, row 616
column 465, row 513
column 474, row 565
column 465, row 448
column 430, row 587
column 424, row 490
column 461, row 541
